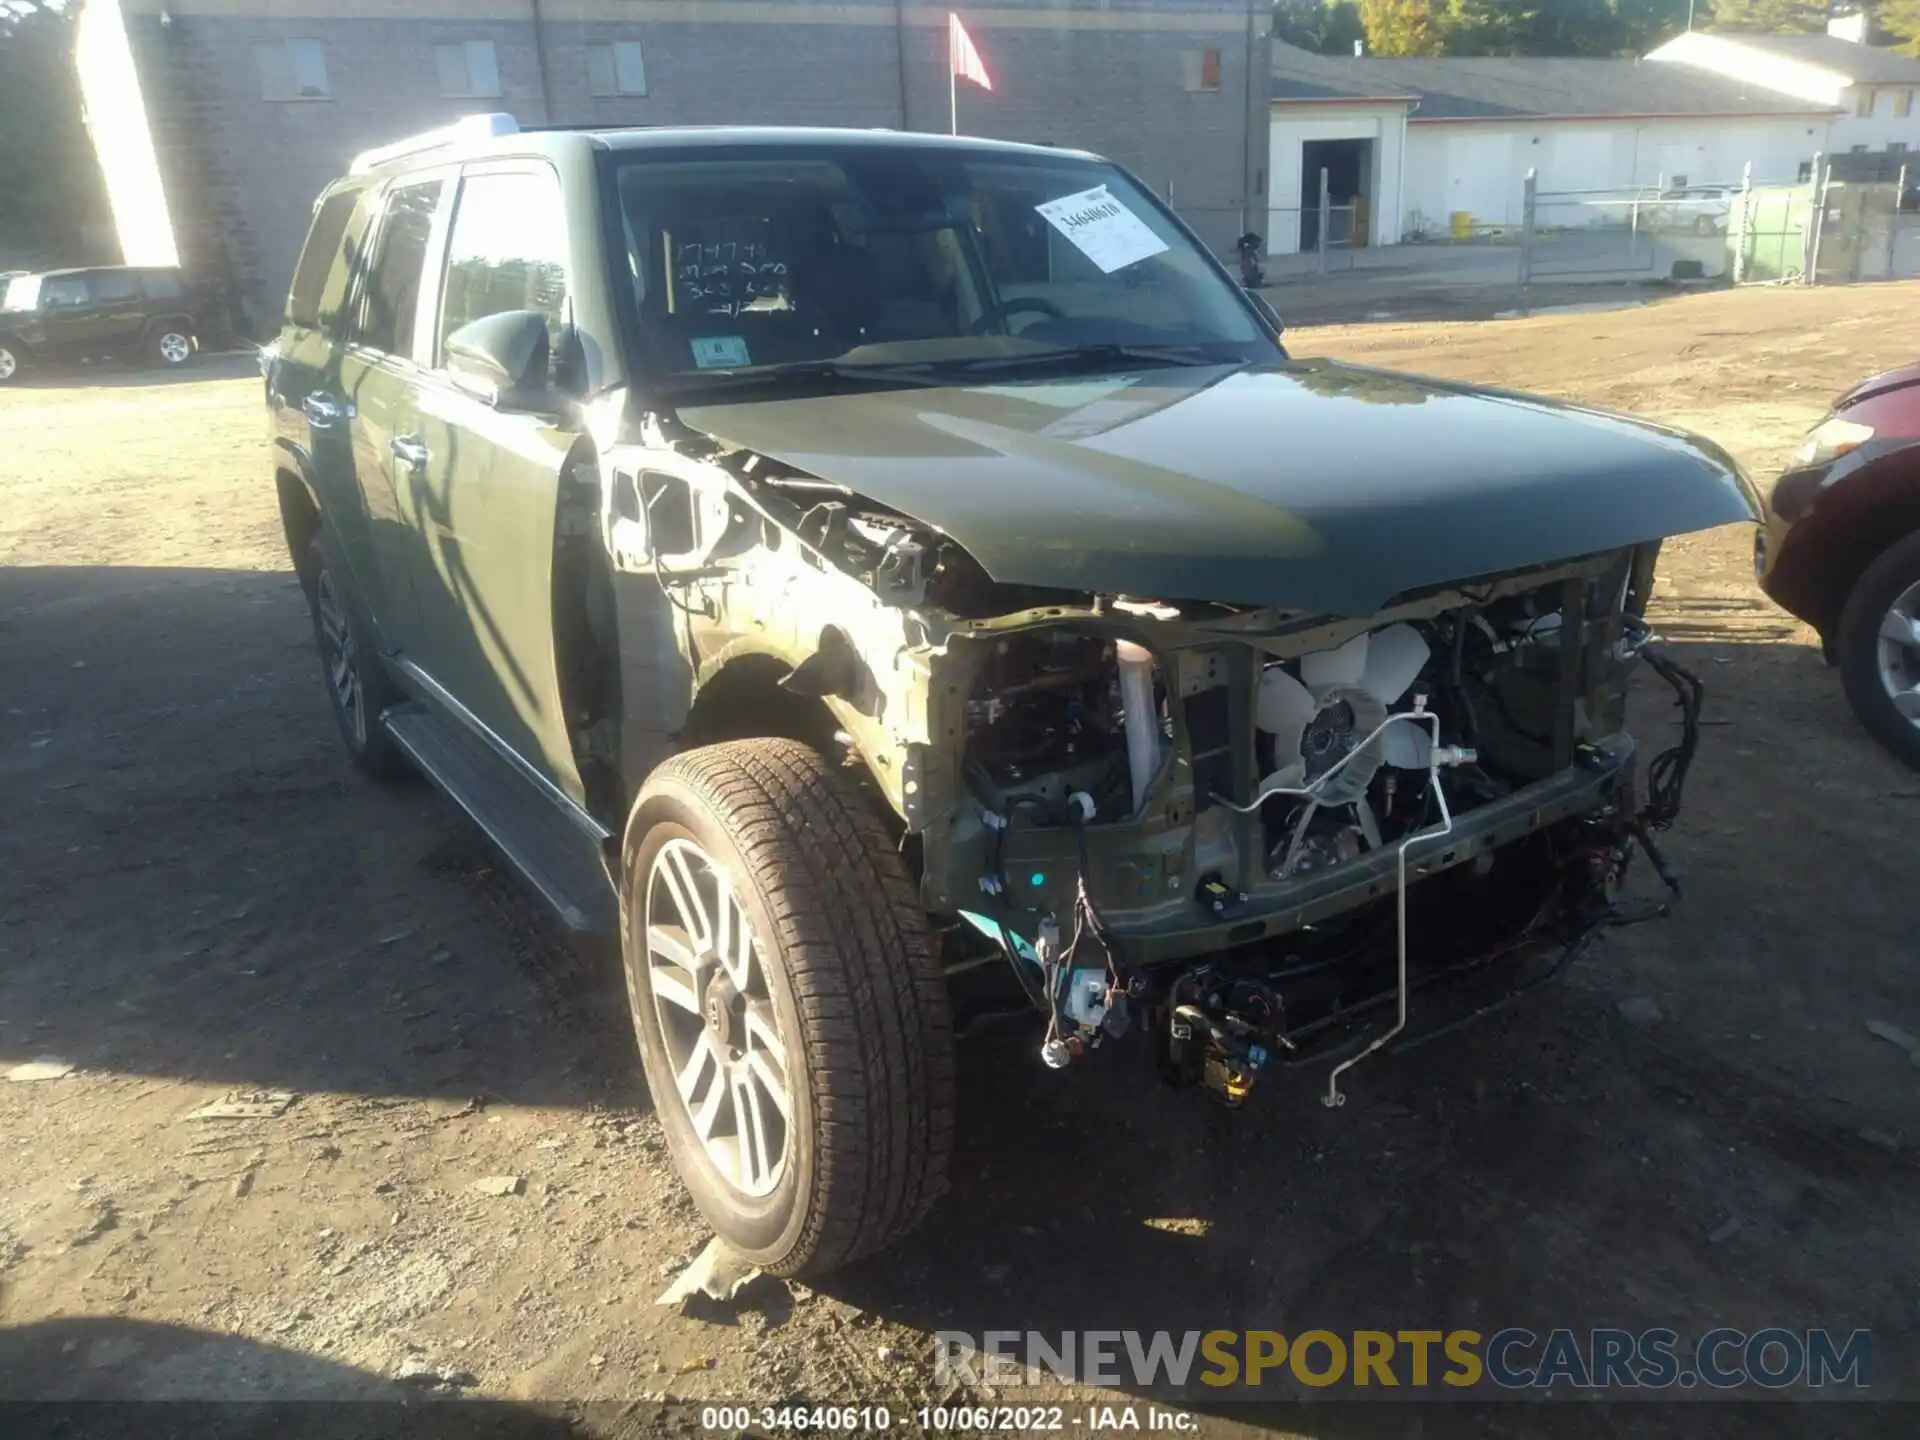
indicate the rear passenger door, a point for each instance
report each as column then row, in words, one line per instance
column 118, row 312
column 482, row 501
column 309, row 417
column 379, row 377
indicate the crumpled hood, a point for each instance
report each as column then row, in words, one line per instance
column 1310, row 484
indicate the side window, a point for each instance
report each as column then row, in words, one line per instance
column 162, row 285
column 324, row 240
column 508, row 251
column 63, row 292
column 391, row 296
column 109, row 286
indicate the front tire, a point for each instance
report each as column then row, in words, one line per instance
column 11, row 362
column 358, row 689
column 791, row 1016
column 1878, row 645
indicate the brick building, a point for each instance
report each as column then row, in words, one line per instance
column 236, row 112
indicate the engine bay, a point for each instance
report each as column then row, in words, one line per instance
column 1422, row 796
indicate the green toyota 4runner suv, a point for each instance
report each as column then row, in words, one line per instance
column 856, row 567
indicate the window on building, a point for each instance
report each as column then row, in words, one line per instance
column 1858, row 149
column 617, row 69
column 392, row 295
column 1863, row 101
column 292, row 70
column 508, row 252
column 1896, row 147
column 317, row 257
column 114, row 285
column 1902, row 104
column 468, row 70
column 1202, row 69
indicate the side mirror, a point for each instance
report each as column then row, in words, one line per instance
column 502, row 360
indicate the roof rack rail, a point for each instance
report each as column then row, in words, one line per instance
column 467, row 127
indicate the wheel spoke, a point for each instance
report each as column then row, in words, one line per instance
column 764, row 1033
column 735, row 946
column 698, row 1061
column 669, row 987
column 750, row 1128
column 1901, row 629
column 668, row 946
column 1907, row 702
column 687, row 899
column 775, row 1086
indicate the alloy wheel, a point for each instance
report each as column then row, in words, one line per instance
column 1899, row 653
column 8, row 363
column 340, row 656
column 711, row 999
column 175, row 348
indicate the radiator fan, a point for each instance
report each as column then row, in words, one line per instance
column 1340, row 698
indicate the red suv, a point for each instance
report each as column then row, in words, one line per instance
column 1841, row 549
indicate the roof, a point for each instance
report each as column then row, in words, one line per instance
column 1864, row 64
column 1501, row 86
column 455, row 142
column 1303, row 75
column 685, row 137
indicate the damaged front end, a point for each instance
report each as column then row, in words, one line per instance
column 1252, row 831
column 1257, row 833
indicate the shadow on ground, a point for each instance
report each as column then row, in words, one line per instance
column 118, row 375
column 194, row 884
column 112, row 1379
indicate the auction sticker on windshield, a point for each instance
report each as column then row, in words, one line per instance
column 719, row 352
column 1102, row 229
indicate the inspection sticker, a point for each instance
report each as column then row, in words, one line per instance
column 1102, row 229
column 720, row 352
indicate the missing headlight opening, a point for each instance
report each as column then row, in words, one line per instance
column 1357, row 809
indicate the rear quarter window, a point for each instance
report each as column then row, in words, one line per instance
column 307, row 300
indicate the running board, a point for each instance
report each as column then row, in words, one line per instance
column 552, row 852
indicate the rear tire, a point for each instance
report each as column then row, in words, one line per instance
column 11, row 362
column 358, row 688
column 819, row 990
column 1871, row 665
column 170, row 347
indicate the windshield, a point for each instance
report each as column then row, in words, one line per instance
column 912, row 257
column 22, row 292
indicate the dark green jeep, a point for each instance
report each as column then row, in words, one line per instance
column 119, row 312
column 864, row 568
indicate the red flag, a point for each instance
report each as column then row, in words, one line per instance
column 962, row 59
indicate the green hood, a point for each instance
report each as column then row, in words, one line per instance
column 1311, row 485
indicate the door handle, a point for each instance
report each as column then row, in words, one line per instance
column 410, row 452
column 324, row 410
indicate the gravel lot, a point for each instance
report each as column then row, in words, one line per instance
column 200, row 902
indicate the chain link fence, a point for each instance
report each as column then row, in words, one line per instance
column 1845, row 223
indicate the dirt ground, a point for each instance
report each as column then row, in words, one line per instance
column 200, row 900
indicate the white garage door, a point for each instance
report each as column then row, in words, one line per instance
column 1578, row 160
column 1481, row 179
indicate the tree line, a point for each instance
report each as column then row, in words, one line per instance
column 1557, row 27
